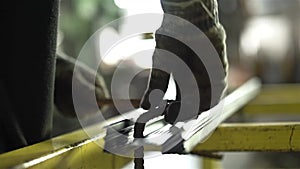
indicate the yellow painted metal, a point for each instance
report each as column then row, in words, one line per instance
column 253, row 137
column 73, row 150
column 89, row 156
column 276, row 99
column 77, row 150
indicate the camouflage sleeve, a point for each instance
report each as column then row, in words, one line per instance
column 204, row 15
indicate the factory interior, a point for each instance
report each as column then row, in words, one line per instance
column 258, row 118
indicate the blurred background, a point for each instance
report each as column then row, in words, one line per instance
column 262, row 40
column 262, row 36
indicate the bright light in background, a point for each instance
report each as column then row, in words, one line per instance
column 132, row 7
column 271, row 35
column 126, row 49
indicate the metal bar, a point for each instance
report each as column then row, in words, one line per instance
column 275, row 99
column 76, row 150
column 182, row 137
column 279, row 137
column 232, row 103
column 73, row 150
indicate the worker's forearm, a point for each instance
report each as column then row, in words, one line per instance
column 204, row 15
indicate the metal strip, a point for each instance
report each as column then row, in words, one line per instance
column 77, row 150
column 279, row 137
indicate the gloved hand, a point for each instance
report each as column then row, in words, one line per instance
column 83, row 84
column 204, row 15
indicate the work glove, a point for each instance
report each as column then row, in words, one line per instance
column 83, row 84
column 204, row 15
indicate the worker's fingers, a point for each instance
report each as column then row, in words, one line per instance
column 159, row 80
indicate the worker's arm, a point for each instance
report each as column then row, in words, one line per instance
column 82, row 80
column 204, row 15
